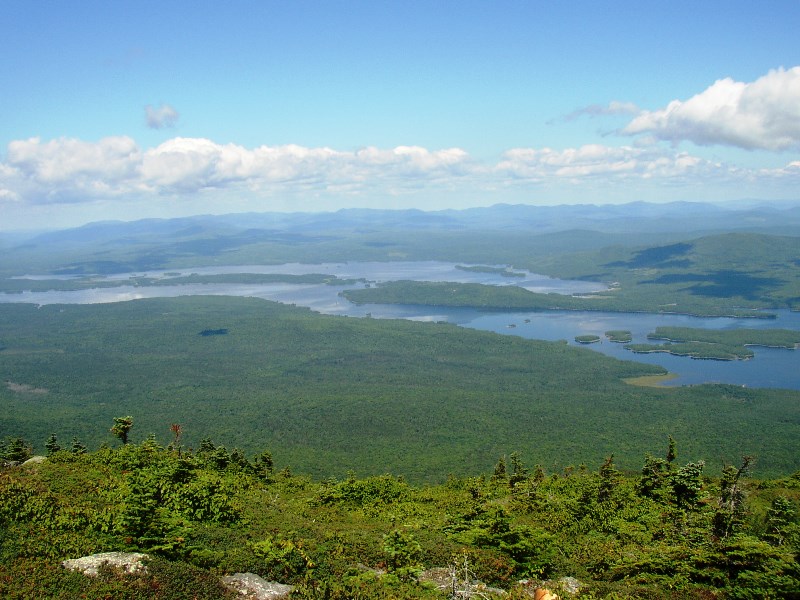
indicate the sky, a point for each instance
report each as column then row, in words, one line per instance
column 133, row 109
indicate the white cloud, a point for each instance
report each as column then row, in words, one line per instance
column 67, row 160
column 160, row 117
column 70, row 170
column 594, row 161
column 763, row 114
column 116, row 169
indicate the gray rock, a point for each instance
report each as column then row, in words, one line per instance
column 34, row 460
column 570, row 585
column 253, row 587
column 129, row 562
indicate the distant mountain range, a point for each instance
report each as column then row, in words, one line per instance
column 640, row 217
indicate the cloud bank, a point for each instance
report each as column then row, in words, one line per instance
column 67, row 170
column 763, row 114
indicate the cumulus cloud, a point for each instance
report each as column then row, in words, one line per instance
column 594, row 161
column 66, row 170
column 763, row 114
column 70, row 170
column 160, row 117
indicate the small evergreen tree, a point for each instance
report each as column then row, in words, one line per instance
column 500, row 471
column 403, row 555
column 77, row 446
column 519, row 472
column 654, row 477
column 780, row 516
column 672, row 452
column 238, row 458
column 122, row 425
column 264, row 465
column 609, row 479
column 687, row 484
column 16, row 450
column 52, row 445
column 206, row 446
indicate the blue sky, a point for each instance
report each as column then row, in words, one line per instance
column 123, row 110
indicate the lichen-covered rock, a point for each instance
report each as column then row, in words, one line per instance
column 569, row 584
column 34, row 460
column 129, row 562
column 253, row 587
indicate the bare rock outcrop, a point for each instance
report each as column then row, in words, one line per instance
column 253, row 587
column 129, row 562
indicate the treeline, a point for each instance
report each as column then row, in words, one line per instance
column 667, row 532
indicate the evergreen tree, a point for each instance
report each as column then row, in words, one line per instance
column 519, row 472
column 609, row 478
column 780, row 516
column 77, row 446
column 687, row 484
column 122, row 425
column 264, row 465
column 672, row 452
column 52, row 445
column 403, row 555
column 16, row 450
column 238, row 458
column 654, row 477
column 206, row 446
column 500, row 471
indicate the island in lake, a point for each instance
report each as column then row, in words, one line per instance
column 713, row 344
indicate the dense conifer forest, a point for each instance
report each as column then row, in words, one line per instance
column 335, row 394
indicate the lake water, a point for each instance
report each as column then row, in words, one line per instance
column 769, row 368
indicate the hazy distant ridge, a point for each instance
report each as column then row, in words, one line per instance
column 636, row 216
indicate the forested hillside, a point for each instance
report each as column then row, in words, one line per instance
column 333, row 394
column 667, row 532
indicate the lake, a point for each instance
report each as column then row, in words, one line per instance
column 770, row 367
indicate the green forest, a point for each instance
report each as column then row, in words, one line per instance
column 339, row 394
column 666, row 531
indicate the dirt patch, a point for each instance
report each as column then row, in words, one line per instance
column 23, row 388
column 650, row 380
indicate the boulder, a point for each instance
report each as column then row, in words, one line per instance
column 129, row 562
column 253, row 587
column 34, row 460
